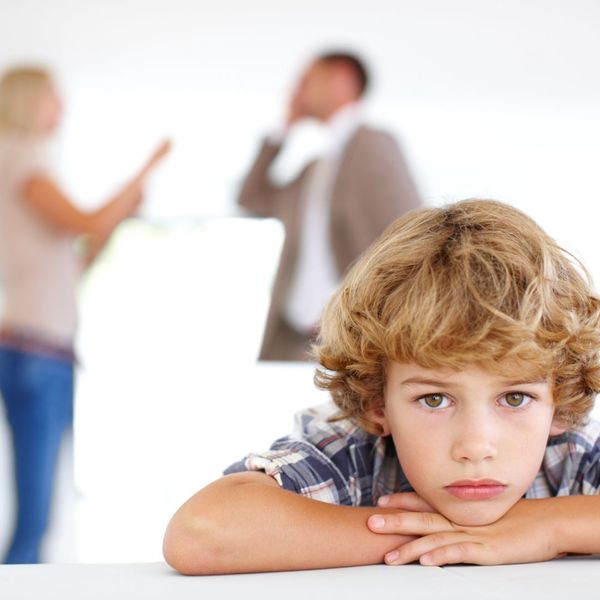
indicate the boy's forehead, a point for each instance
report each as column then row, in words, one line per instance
column 517, row 369
column 507, row 370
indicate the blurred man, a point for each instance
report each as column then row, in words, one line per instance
column 334, row 208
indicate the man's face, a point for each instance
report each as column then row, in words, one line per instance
column 470, row 442
column 314, row 90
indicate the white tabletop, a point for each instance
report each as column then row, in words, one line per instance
column 558, row 579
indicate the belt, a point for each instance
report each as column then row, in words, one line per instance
column 25, row 341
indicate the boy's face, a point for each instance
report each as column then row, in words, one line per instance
column 470, row 442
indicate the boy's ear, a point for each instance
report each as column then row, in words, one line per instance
column 557, row 428
column 377, row 416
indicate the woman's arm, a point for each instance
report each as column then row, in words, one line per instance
column 246, row 523
column 52, row 204
column 47, row 199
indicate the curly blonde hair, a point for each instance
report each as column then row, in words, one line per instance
column 476, row 281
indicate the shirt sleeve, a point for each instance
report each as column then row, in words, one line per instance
column 590, row 470
column 330, row 462
column 299, row 467
column 571, row 464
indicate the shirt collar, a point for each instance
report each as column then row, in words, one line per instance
column 342, row 124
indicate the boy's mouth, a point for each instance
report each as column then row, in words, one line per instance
column 475, row 489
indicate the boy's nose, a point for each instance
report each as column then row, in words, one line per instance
column 474, row 441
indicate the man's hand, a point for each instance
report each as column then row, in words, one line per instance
column 295, row 111
column 526, row 533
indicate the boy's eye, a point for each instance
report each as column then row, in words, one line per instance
column 434, row 401
column 515, row 399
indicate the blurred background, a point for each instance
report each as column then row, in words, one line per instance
column 495, row 99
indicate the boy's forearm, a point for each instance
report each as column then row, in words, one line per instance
column 247, row 523
column 578, row 524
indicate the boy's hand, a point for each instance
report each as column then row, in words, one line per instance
column 526, row 533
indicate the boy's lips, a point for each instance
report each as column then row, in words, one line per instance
column 475, row 489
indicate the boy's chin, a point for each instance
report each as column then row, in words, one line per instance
column 474, row 514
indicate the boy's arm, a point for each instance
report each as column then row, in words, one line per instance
column 531, row 531
column 245, row 522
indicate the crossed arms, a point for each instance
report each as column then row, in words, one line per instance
column 246, row 523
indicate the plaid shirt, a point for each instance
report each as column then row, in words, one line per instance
column 341, row 463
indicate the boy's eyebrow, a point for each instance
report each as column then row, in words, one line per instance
column 435, row 382
column 525, row 381
column 424, row 381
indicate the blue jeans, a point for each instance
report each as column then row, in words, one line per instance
column 38, row 398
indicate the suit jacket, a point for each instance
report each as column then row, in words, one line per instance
column 372, row 188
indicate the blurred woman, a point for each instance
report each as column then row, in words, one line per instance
column 39, row 270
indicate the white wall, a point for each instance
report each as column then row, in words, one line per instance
column 496, row 98
column 491, row 98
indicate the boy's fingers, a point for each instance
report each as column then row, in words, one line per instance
column 410, row 523
column 436, row 549
column 406, row 501
column 452, row 554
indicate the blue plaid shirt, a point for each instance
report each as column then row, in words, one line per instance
column 340, row 463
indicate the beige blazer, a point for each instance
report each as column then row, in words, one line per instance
column 372, row 188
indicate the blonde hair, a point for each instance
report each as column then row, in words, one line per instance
column 19, row 90
column 472, row 282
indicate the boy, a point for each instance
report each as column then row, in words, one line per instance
column 462, row 354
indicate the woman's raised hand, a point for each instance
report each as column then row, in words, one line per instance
column 159, row 153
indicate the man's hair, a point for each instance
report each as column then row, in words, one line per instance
column 354, row 63
column 472, row 282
